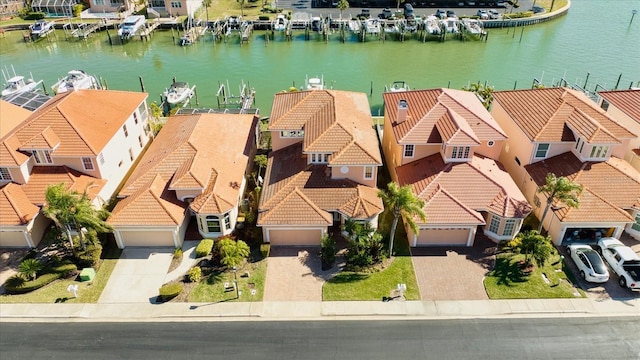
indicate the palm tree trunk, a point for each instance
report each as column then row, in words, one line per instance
column 544, row 214
column 393, row 234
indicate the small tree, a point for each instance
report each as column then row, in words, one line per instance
column 533, row 246
column 261, row 162
column 327, row 251
column 559, row 189
column 402, row 203
column 207, row 4
column 343, row 5
column 30, row 268
column 484, row 93
column 232, row 253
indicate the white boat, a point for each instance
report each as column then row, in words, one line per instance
column 432, row 24
column 41, row 28
column 473, row 26
column 314, row 83
column 75, row 80
column 398, row 86
column 411, row 25
column 316, row 24
column 372, row 26
column 179, row 92
column 185, row 40
column 354, row 26
column 131, row 25
column 280, row 23
column 18, row 84
column 451, row 25
column 391, row 27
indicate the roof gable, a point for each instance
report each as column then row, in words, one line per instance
column 628, row 101
column 15, row 207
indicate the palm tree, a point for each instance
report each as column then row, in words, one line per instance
column 207, row 4
column 232, row 252
column 30, row 268
column 559, row 189
column 534, row 246
column 343, row 5
column 402, row 203
column 484, row 93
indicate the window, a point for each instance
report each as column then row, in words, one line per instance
column 368, row 172
column 87, row 162
column 509, row 225
column 635, row 226
column 101, row 159
column 98, row 2
column 116, row 2
column 319, row 158
column 42, row 156
column 517, row 161
column 599, row 151
column 124, row 128
column 578, row 143
column 460, row 152
column 212, row 223
column 541, row 151
column 140, row 140
column 494, row 225
column 131, row 154
column 604, row 105
column 408, row 151
column 157, row 3
column 292, row 134
column 135, row 118
column 536, row 200
column 176, row 4
column 227, row 221
column 5, row 174
column 490, row 143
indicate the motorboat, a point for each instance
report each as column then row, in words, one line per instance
column 314, row 83
column 75, row 80
column 473, row 26
column 354, row 26
column 185, row 40
column 179, row 92
column 451, row 25
column 411, row 25
column 131, row 25
column 391, row 27
column 432, row 24
column 18, row 84
column 316, row 24
column 41, row 28
column 372, row 26
column 280, row 23
column 398, row 86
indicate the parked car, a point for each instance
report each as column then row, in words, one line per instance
column 408, row 11
column 440, row 14
column 623, row 261
column 589, row 263
column 483, row 14
column 386, row 14
column 451, row 14
column 494, row 14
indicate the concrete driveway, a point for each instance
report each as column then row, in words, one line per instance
column 138, row 275
column 453, row 273
column 295, row 274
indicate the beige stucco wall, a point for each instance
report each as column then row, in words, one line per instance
column 13, row 237
column 390, row 148
column 355, row 173
column 492, row 152
column 628, row 122
column 278, row 143
column 191, row 193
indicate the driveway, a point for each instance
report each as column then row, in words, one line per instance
column 295, row 274
column 138, row 275
column 453, row 273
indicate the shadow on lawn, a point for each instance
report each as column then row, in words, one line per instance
column 343, row 278
column 508, row 272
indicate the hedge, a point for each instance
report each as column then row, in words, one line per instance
column 169, row 291
column 34, row 16
column 15, row 286
column 204, row 247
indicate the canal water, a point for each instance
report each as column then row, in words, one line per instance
column 596, row 37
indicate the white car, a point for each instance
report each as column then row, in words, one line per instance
column 589, row 263
column 623, row 261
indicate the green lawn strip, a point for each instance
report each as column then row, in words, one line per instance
column 507, row 281
column 349, row 286
column 211, row 288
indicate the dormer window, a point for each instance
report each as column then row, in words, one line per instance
column 315, row 158
column 292, row 134
column 460, row 152
column 5, row 174
column 541, row 151
column 42, row 156
column 599, row 152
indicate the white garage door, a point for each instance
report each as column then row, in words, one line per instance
column 309, row 237
column 453, row 236
column 12, row 239
column 147, row 238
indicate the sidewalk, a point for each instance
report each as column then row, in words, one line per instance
column 317, row 310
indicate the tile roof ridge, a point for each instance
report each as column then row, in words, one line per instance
column 604, row 200
column 498, row 129
column 446, row 168
column 159, row 199
column 443, row 190
column 550, row 119
column 304, row 95
column 348, row 145
column 296, row 191
column 12, row 152
column 14, row 206
column 465, row 128
column 286, row 187
column 65, row 117
column 596, row 123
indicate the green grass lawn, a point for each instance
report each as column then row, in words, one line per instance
column 88, row 292
column 507, row 281
column 211, row 289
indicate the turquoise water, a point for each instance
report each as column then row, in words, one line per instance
column 595, row 37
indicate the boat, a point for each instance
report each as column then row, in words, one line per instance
column 451, row 25
column 17, row 84
column 391, row 27
column 398, row 86
column 185, row 40
column 233, row 24
column 432, row 25
column 473, row 27
column 75, row 80
column 131, row 25
column 280, row 23
column 411, row 25
column 314, row 83
column 179, row 92
column 41, row 28
column 316, row 24
column 372, row 26
column 354, row 26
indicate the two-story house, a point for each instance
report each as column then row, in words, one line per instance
column 445, row 144
column 170, row 8
column 561, row 131
column 323, row 166
column 624, row 107
column 86, row 139
column 111, row 8
column 194, row 169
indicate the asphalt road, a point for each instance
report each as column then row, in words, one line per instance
column 565, row 338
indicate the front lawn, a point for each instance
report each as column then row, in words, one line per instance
column 509, row 281
column 212, row 289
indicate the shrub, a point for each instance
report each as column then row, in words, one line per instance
column 263, row 17
column 177, row 253
column 89, row 257
column 77, row 9
column 29, row 286
column 169, row 291
column 30, row 268
column 327, row 251
column 232, row 253
column 204, row 247
column 195, row 274
column 34, row 16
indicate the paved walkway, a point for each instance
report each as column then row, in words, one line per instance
column 188, row 261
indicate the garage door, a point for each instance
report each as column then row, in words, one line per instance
column 12, row 239
column 309, row 237
column 147, row 238
column 430, row 237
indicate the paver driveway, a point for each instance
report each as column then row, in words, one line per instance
column 295, row 274
column 453, row 273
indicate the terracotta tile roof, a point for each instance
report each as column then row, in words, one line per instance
column 47, row 139
column 443, row 208
column 593, row 208
column 43, row 176
column 481, row 185
column 441, row 114
column 337, row 122
column 296, row 193
column 544, row 115
column 15, row 207
column 606, row 184
column 83, row 120
column 151, row 205
column 11, row 116
column 8, row 154
column 628, row 101
column 203, row 151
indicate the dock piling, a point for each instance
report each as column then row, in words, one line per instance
column 141, row 83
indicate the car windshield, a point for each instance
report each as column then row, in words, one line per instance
column 596, row 262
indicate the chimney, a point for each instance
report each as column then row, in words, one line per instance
column 403, row 108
